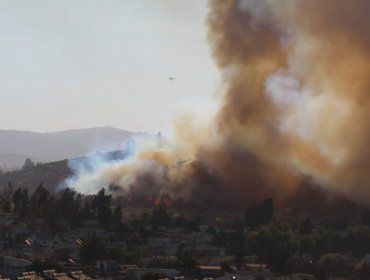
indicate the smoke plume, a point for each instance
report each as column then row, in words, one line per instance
column 294, row 111
column 297, row 99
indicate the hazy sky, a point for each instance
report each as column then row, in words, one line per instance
column 86, row 63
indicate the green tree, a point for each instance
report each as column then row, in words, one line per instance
column 82, row 214
column 153, row 276
column 117, row 215
column 40, row 202
column 305, row 227
column 115, row 253
column 102, row 207
column 6, row 198
column 334, row 265
column 187, row 262
column 52, row 211
column 68, row 204
column 356, row 240
column 365, row 217
column 24, row 203
column 92, row 250
column 327, row 240
column 308, row 244
column 160, row 217
column 40, row 265
column 20, row 202
column 236, row 246
column 17, row 203
column 260, row 214
column 28, row 164
column 321, row 275
column 275, row 245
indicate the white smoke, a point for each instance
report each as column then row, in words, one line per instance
column 97, row 169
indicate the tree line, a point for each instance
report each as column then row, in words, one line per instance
column 324, row 250
column 67, row 204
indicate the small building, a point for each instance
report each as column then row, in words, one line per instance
column 60, row 276
column 79, row 275
column 30, row 275
column 228, row 276
column 367, row 259
column 106, row 266
column 140, row 272
column 124, row 268
column 256, row 269
column 209, row 271
column 12, row 267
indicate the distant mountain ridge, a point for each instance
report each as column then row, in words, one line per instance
column 16, row 145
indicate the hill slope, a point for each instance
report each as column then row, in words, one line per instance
column 16, row 146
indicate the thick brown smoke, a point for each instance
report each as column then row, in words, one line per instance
column 298, row 86
column 294, row 118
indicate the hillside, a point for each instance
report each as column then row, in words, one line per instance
column 16, row 146
column 50, row 174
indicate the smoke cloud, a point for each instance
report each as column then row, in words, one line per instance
column 298, row 95
column 294, row 111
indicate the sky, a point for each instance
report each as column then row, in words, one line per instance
column 91, row 63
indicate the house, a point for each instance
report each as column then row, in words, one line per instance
column 123, row 269
column 60, row 276
column 256, row 269
column 44, row 239
column 209, row 271
column 87, row 232
column 160, row 261
column 12, row 267
column 367, row 259
column 7, row 218
column 208, row 251
column 12, row 229
column 48, row 273
column 140, row 272
column 31, row 275
column 79, row 275
column 163, row 245
column 106, row 266
column 302, row 276
column 228, row 276
column 203, row 238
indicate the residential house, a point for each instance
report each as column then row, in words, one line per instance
column 12, row 267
